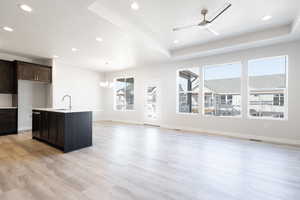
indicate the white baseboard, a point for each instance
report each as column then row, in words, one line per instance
column 123, row 121
column 221, row 133
column 21, row 129
column 238, row 135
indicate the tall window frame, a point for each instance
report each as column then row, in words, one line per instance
column 279, row 99
column 124, row 100
column 192, row 96
column 224, row 98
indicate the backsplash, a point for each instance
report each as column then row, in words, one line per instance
column 5, row 100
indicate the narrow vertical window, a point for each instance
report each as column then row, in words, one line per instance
column 267, row 88
column 188, row 83
column 124, row 94
column 222, row 90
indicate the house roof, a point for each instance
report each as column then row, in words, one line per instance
column 234, row 85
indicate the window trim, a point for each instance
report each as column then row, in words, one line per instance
column 177, row 91
column 114, row 94
column 203, row 87
column 285, row 118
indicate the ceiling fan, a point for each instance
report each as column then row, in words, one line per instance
column 205, row 24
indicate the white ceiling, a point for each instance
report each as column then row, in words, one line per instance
column 132, row 38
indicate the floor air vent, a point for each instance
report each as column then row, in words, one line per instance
column 255, row 140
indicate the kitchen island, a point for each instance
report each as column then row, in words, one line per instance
column 67, row 130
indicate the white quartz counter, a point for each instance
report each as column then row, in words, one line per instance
column 61, row 110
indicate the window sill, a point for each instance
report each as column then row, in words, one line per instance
column 267, row 118
column 124, row 110
column 223, row 117
column 193, row 114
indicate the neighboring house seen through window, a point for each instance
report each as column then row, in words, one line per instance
column 222, row 90
column 267, row 88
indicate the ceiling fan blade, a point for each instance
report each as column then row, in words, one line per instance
column 184, row 27
column 212, row 31
column 228, row 5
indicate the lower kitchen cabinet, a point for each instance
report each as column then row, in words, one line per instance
column 48, row 127
column 36, row 124
column 65, row 131
column 56, row 128
column 8, row 121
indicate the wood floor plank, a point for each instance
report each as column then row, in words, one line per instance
column 132, row 162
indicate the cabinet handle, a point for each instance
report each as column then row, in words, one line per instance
column 36, row 113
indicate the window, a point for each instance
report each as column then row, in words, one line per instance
column 222, row 90
column 188, row 83
column 124, row 94
column 267, row 88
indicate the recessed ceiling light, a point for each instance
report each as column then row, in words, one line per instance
column 135, row 6
column 267, row 17
column 9, row 29
column 176, row 41
column 74, row 49
column 55, row 56
column 26, row 8
column 99, row 39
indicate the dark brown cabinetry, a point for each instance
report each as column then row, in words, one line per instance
column 66, row 131
column 45, row 126
column 8, row 77
column 36, row 124
column 10, row 73
column 34, row 72
column 8, row 121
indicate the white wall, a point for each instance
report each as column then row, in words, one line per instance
column 271, row 130
column 82, row 84
column 30, row 95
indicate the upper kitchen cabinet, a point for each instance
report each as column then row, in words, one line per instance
column 34, row 72
column 8, row 77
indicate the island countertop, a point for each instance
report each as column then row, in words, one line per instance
column 61, row 110
column 8, row 108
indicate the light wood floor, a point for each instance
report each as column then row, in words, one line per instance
column 139, row 162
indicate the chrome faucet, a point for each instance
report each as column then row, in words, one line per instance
column 70, row 100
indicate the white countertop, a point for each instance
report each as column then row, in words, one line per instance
column 61, row 110
column 8, row 107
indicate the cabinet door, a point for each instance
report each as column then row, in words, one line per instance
column 34, row 72
column 36, row 124
column 26, row 71
column 60, row 123
column 52, row 127
column 7, row 77
column 8, row 121
column 44, row 126
column 43, row 74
